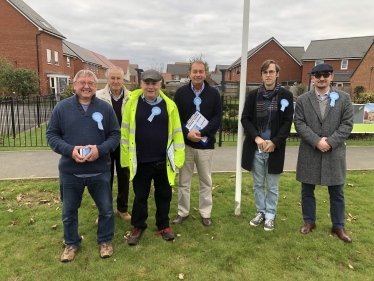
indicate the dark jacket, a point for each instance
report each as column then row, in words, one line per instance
column 280, row 130
column 71, row 126
column 210, row 107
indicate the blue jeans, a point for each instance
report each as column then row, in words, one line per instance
column 337, row 204
column 266, row 202
column 71, row 191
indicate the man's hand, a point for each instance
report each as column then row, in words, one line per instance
column 194, row 135
column 323, row 145
column 76, row 156
column 93, row 155
column 270, row 146
column 260, row 143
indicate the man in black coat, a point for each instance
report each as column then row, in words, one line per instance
column 266, row 119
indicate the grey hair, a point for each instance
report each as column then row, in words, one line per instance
column 85, row 72
column 114, row 67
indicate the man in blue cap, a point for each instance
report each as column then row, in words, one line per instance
column 324, row 120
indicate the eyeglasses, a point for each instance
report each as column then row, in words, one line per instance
column 319, row 75
column 270, row 72
column 89, row 84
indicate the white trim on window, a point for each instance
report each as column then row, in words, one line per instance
column 318, row 62
column 344, row 64
column 339, row 85
column 49, row 56
column 68, row 61
column 56, row 58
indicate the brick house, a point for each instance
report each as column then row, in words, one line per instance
column 178, row 70
column 363, row 75
column 288, row 58
column 29, row 41
column 125, row 65
column 343, row 54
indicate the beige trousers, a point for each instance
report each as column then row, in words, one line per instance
column 203, row 160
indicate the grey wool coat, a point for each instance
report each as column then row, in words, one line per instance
column 313, row 166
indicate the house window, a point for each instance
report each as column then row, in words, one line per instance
column 176, row 77
column 49, row 56
column 68, row 61
column 339, row 84
column 56, row 58
column 344, row 64
column 319, row 62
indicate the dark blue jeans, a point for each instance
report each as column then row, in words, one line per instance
column 337, row 204
column 71, row 191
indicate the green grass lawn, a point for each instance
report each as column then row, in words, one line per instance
column 230, row 249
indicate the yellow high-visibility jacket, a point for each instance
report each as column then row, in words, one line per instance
column 128, row 127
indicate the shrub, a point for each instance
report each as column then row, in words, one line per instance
column 300, row 89
column 358, row 90
column 365, row 98
column 229, row 125
column 68, row 92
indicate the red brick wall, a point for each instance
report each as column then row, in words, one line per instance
column 22, row 45
column 336, row 65
column 364, row 76
column 18, row 42
column 290, row 69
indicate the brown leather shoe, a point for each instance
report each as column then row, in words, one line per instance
column 341, row 234
column 307, row 227
column 179, row 219
column 206, row 221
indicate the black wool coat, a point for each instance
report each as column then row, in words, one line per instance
column 280, row 130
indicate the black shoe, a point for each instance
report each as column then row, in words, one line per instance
column 134, row 237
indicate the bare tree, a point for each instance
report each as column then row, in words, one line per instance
column 157, row 65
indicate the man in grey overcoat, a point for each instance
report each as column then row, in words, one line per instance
column 323, row 120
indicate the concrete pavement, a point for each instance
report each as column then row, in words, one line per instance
column 44, row 163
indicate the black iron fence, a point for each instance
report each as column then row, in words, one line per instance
column 23, row 120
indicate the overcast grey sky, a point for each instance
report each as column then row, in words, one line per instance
column 149, row 32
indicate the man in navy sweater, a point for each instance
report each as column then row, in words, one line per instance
column 84, row 130
column 198, row 95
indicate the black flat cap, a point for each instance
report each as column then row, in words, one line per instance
column 323, row 67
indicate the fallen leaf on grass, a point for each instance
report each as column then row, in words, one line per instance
column 31, row 221
column 115, row 260
column 351, row 266
column 283, row 219
column 195, row 208
column 349, row 184
column 43, row 201
column 126, row 235
column 284, row 197
column 20, row 197
column 94, row 205
column 10, row 211
column 193, row 217
column 13, row 223
column 2, row 197
column 54, row 226
column 57, row 208
column 181, row 276
column 298, row 258
column 179, row 235
column 358, row 252
column 233, row 176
